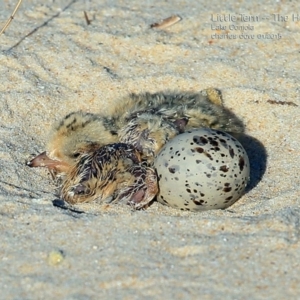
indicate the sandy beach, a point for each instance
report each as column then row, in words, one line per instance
column 53, row 62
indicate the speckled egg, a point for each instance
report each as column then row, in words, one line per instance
column 202, row 169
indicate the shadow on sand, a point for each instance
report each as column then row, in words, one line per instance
column 257, row 157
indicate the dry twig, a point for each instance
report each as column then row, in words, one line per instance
column 11, row 17
column 166, row 22
column 282, row 102
column 88, row 21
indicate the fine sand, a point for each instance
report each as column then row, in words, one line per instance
column 52, row 63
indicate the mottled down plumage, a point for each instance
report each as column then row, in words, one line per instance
column 113, row 173
column 148, row 121
column 109, row 158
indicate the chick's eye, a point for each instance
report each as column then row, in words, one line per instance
column 75, row 155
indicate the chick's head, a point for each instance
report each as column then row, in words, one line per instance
column 75, row 134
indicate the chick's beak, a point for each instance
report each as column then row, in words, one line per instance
column 42, row 160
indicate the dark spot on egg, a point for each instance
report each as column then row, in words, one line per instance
column 224, row 168
column 198, row 202
column 200, row 140
column 208, row 155
column 172, row 170
column 198, row 161
column 199, row 150
column 221, row 133
column 228, row 199
column 241, row 163
column 214, row 143
column 188, row 190
column 231, row 152
column 227, row 189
